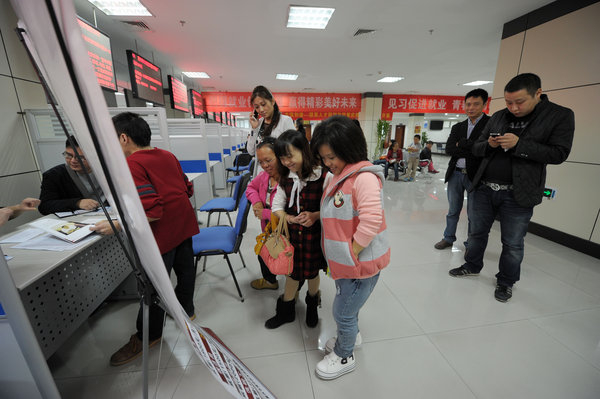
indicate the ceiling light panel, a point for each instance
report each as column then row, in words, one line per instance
column 122, row 7
column 309, row 17
column 197, row 75
column 478, row 83
column 390, row 79
column 286, row 76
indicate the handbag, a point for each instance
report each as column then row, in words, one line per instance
column 277, row 252
column 262, row 237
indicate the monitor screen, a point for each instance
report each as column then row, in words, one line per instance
column 436, row 125
column 146, row 79
column 179, row 94
column 218, row 117
column 197, row 107
column 99, row 50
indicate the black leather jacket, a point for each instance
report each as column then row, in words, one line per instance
column 547, row 139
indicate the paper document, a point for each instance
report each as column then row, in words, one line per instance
column 72, row 213
column 51, row 243
column 22, row 236
column 63, row 229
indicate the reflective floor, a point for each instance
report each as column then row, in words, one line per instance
column 425, row 334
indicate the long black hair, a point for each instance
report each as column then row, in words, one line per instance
column 263, row 92
column 343, row 136
column 296, row 139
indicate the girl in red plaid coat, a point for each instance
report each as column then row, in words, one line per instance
column 298, row 200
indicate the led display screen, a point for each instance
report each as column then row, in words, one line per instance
column 146, row 79
column 179, row 94
column 99, row 50
column 197, row 107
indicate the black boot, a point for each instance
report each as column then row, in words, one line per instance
column 284, row 313
column 312, row 302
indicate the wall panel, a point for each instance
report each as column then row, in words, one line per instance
column 15, row 51
column 508, row 63
column 565, row 52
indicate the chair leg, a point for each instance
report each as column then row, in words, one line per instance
column 234, row 279
column 204, row 264
column 208, row 221
column 242, row 258
column 229, row 217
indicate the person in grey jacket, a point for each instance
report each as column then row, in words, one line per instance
column 516, row 145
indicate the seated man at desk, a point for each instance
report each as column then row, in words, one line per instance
column 164, row 191
column 11, row 212
column 65, row 187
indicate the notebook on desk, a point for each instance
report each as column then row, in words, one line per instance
column 63, row 229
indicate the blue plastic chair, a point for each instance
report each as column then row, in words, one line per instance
column 240, row 164
column 234, row 179
column 226, row 204
column 223, row 240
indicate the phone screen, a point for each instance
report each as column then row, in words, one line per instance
column 256, row 114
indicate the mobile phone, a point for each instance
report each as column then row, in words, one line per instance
column 495, row 134
column 256, row 114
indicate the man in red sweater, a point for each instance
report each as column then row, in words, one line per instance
column 164, row 190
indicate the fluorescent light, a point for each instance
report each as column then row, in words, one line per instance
column 197, row 75
column 309, row 17
column 286, row 76
column 390, row 79
column 121, row 7
column 478, row 83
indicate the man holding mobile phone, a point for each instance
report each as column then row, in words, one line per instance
column 530, row 133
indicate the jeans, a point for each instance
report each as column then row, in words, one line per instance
column 351, row 296
column 181, row 260
column 391, row 165
column 514, row 219
column 457, row 185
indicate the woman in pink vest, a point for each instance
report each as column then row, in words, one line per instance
column 354, row 237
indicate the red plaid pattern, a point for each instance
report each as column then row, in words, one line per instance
column 308, row 255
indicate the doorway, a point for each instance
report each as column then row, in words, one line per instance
column 399, row 134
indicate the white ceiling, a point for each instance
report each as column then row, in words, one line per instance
column 242, row 43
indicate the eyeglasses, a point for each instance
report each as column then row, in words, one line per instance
column 68, row 156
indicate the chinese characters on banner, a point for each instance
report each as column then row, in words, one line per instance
column 423, row 104
column 313, row 106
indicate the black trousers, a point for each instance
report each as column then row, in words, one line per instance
column 266, row 273
column 181, row 260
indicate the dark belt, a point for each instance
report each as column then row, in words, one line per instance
column 498, row 187
column 461, row 170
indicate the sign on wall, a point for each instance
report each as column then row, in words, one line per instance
column 423, row 104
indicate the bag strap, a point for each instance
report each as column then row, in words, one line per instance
column 282, row 228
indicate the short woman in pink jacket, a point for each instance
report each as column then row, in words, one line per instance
column 354, row 233
column 260, row 192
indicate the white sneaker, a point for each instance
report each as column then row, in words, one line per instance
column 332, row 366
column 331, row 343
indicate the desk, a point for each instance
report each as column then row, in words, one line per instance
column 60, row 290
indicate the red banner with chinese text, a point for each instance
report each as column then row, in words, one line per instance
column 309, row 106
column 422, row 104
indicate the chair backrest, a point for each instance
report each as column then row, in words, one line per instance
column 241, row 221
column 243, row 159
column 240, row 188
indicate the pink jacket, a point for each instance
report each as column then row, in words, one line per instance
column 257, row 192
column 352, row 208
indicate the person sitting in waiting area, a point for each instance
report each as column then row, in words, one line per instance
column 11, row 212
column 426, row 156
column 393, row 159
column 66, row 187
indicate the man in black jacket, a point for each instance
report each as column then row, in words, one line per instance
column 463, row 165
column 65, row 187
column 517, row 144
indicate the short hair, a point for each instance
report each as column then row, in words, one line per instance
column 417, row 136
column 528, row 81
column 297, row 140
column 70, row 140
column 429, row 142
column 478, row 93
column 134, row 126
column 344, row 138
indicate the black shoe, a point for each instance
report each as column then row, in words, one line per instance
column 462, row 272
column 284, row 313
column 312, row 303
column 503, row 293
column 443, row 244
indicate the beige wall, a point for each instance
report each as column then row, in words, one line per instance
column 368, row 117
column 19, row 89
column 565, row 53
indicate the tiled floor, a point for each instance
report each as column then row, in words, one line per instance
column 427, row 335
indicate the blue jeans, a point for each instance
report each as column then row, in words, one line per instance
column 514, row 219
column 457, row 185
column 391, row 165
column 350, row 297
